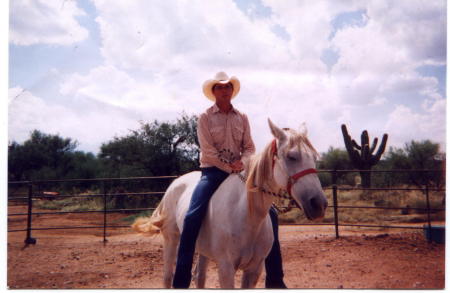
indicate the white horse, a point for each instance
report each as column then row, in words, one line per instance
column 236, row 232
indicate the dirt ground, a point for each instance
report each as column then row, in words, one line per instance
column 312, row 257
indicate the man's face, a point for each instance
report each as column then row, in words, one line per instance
column 223, row 92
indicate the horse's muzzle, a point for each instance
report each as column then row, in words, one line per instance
column 315, row 207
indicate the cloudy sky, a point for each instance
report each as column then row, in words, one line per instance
column 92, row 69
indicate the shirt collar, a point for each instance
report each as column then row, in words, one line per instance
column 216, row 109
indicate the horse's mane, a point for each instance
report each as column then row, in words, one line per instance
column 259, row 170
column 301, row 140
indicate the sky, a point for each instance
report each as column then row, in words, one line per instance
column 93, row 69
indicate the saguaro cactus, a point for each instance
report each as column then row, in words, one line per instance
column 362, row 155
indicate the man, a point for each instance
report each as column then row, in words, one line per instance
column 225, row 143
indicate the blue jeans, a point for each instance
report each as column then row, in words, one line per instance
column 273, row 262
column 210, row 180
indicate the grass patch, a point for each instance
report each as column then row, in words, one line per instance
column 131, row 218
column 411, row 203
column 415, row 201
column 72, row 204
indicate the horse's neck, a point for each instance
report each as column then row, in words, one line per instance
column 259, row 176
column 256, row 215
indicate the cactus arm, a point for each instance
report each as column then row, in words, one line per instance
column 381, row 149
column 353, row 154
column 355, row 145
column 374, row 145
column 364, row 138
column 347, row 137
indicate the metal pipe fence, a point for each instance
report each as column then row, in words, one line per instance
column 34, row 192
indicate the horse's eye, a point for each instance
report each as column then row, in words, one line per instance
column 291, row 158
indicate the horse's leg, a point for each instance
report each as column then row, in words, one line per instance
column 226, row 275
column 170, row 254
column 202, row 265
column 250, row 277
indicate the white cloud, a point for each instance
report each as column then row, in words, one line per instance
column 28, row 112
column 45, row 22
column 308, row 23
column 411, row 83
column 290, row 99
column 384, row 54
column 180, row 44
column 108, row 85
column 404, row 124
column 418, row 27
column 158, row 98
column 177, row 45
column 156, row 57
column 181, row 35
column 377, row 66
column 90, row 126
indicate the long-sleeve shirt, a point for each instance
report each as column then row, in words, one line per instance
column 223, row 138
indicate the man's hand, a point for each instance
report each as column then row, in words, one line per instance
column 237, row 166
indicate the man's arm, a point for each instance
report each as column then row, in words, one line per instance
column 248, row 147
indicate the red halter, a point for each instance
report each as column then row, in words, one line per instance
column 292, row 179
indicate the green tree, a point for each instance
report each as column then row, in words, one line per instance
column 83, row 165
column 42, row 156
column 154, row 149
column 417, row 155
column 335, row 159
column 394, row 159
column 425, row 155
column 17, row 165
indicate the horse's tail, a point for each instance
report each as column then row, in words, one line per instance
column 151, row 225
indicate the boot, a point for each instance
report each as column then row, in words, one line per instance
column 275, row 284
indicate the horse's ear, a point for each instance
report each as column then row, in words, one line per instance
column 302, row 129
column 277, row 132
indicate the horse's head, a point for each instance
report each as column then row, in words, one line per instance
column 293, row 165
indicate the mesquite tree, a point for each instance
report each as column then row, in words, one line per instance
column 362, row 155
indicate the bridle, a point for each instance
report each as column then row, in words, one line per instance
column 291, row 179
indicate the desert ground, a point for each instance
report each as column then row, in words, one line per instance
column 313, row 258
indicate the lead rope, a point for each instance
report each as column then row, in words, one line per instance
column 227, row 156
column 283, row 194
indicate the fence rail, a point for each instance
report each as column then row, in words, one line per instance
column 32, row 195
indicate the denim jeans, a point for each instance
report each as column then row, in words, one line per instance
column 210, row 180
column 273, row 262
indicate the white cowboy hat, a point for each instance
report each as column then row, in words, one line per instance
column 221, row 77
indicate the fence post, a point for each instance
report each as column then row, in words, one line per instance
column 335, row 203
column 29, row 239
column 104, row 212
column 428, row 213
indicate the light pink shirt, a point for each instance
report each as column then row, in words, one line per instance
column 223, row 138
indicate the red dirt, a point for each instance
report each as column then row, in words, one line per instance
column 312, row 257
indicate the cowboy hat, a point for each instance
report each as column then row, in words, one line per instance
column 221, row 77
